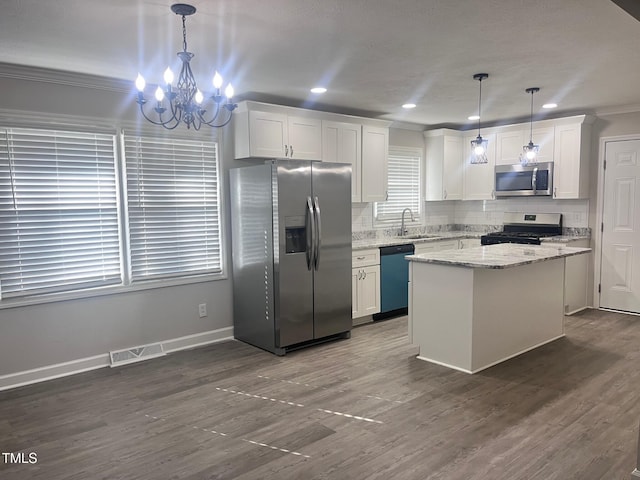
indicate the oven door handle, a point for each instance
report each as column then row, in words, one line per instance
column 534, row 179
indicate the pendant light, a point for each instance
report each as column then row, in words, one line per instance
column 530, row 151
column 479, row 145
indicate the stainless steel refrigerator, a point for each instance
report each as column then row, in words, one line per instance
column 291, row 240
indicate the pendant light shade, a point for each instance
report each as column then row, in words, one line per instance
column 531, row 150
column 479, row 145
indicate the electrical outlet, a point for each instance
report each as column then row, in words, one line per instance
column 202, row 310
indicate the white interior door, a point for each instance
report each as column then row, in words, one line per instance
column 620, row 269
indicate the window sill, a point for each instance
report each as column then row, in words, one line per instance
column 108, row 290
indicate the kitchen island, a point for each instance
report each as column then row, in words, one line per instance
column 473, row 308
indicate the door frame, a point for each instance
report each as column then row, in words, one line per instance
column 597, row 257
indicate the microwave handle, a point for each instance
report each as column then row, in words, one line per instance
column 534, row 180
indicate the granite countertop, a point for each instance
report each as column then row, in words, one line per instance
column 429, row 237
column 434, row 237
column 564, row 238
column 502, row 255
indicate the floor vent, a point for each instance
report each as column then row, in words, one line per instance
column 136, row 354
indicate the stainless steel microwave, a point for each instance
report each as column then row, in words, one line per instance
column 524, row 180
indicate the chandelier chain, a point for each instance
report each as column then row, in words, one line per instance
column 184, row 33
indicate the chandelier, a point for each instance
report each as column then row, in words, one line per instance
column 531, row 150
column 479, row 145
column 185, row 103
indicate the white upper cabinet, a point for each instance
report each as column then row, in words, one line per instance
column 305, row 138
column 262, row 130
column 342, row 143
column 511, row 141
column 375, row 151
column 544, row 137
column 444, row 161
column 571, row 158
column 509, row 145
column 479, row 178
column 269, row 134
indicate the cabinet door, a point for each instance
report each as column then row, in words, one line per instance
column 566, row 165
column 576, row 269
column 355, row 297
column 305, row 138
column 509, row 147
column 267, row 134
column 452, row 168
column 370, row 290
column 375, row 149
column 544, row 138
column 479, row 178
column 342, row 142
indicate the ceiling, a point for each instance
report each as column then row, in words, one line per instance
column 372, row 55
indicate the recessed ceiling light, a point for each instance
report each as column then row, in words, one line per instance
column 550, row 105
column 318, row 90
column 409, row 105
column 473, row 117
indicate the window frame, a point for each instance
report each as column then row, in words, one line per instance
column 12, row 119
column 401, row 151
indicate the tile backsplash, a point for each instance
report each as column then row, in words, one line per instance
column 479, row 215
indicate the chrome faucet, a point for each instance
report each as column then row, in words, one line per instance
column 403, row 231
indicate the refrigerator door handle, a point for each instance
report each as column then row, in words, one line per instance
column 318, row 233
column 311, row 233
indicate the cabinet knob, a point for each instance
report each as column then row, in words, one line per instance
column 555, row 192
column 493, row 194
column 291, row 150
column 445, row 193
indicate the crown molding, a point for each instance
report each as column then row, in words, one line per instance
column 62, row 77
column 633, row 108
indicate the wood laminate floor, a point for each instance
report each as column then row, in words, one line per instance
column 363, row 408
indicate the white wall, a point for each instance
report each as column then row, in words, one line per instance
column 42, row 335
column 575, row 213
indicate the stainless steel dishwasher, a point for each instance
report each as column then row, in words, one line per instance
column 394, row 279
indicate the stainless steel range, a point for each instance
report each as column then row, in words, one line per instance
column 526, row 228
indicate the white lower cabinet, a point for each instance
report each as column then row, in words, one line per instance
column 365, row 283
column 576, row 275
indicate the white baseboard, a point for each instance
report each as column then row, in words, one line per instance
column 49, row 372
column 198, row 340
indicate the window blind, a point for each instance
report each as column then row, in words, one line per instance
column 173, row 207
column 403, row 187
column 58, row 211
